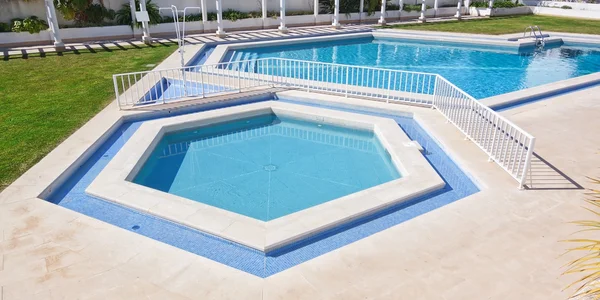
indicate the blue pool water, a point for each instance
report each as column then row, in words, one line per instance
column 482, row 72
column 267, row 166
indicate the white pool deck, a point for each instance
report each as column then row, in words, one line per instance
column 501, row 243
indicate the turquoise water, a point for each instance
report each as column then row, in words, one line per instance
column 482, row 72
column 268, row 166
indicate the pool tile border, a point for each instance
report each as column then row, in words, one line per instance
column 113, row 183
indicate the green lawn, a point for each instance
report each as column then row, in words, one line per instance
column 503, row 25
column 45, row 99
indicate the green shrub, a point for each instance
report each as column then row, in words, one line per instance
column 413, row 7
column 299, row 13
column 566, row 7
column 123, row 15
column 4, row 27
column 84, row 12
column 497, row 4
column 506, row 4
column 30, row 24
column 234, row 15
column 95, row 14
column 211, row 16
column 480, row 4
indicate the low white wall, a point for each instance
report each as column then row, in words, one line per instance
column 448, row 11
column 479, row 12
column 99, row 33
column 300, row 20
column 574, row 5
column 14, row 39
column 573, row 13
column 521, row 10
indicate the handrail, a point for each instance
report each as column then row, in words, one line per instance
column 504, row 142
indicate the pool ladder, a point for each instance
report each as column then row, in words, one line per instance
column 536, row 32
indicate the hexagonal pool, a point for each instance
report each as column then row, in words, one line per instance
column 267, row 166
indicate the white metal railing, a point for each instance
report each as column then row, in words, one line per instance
column 504, row 142
column 161, row 86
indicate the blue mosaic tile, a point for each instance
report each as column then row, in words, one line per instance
column 72, row 195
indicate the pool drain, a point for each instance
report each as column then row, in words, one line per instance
column 270, row 168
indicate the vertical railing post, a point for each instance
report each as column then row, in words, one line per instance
column 239, row 79
column 202, row 81
column 528, row 157
column 308, row 80
column 389, row 82
column 435, row 92
column 117, row 91
column 347, row 74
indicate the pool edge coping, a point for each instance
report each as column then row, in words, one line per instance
column 111, row 185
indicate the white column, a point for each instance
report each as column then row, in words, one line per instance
column 361, row 10
column 133, row 9
column 204, row 12
column 422, row 18
column 382, row 17
column 53, row 24
column 145, row 28
column 263, row 5
column 220, row 32
column 458, row 9
column 491, row 4
column 401, row 4
column 435, row 8
column 316, row 11
column 336, row 15
column 467, row 5
column 282, row 27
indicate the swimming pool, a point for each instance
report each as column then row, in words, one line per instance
column 267, row 166
column 72, row 195
column 481, row 71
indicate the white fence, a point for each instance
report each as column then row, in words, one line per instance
column 504, row 142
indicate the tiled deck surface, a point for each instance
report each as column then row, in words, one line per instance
column 501, row 243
